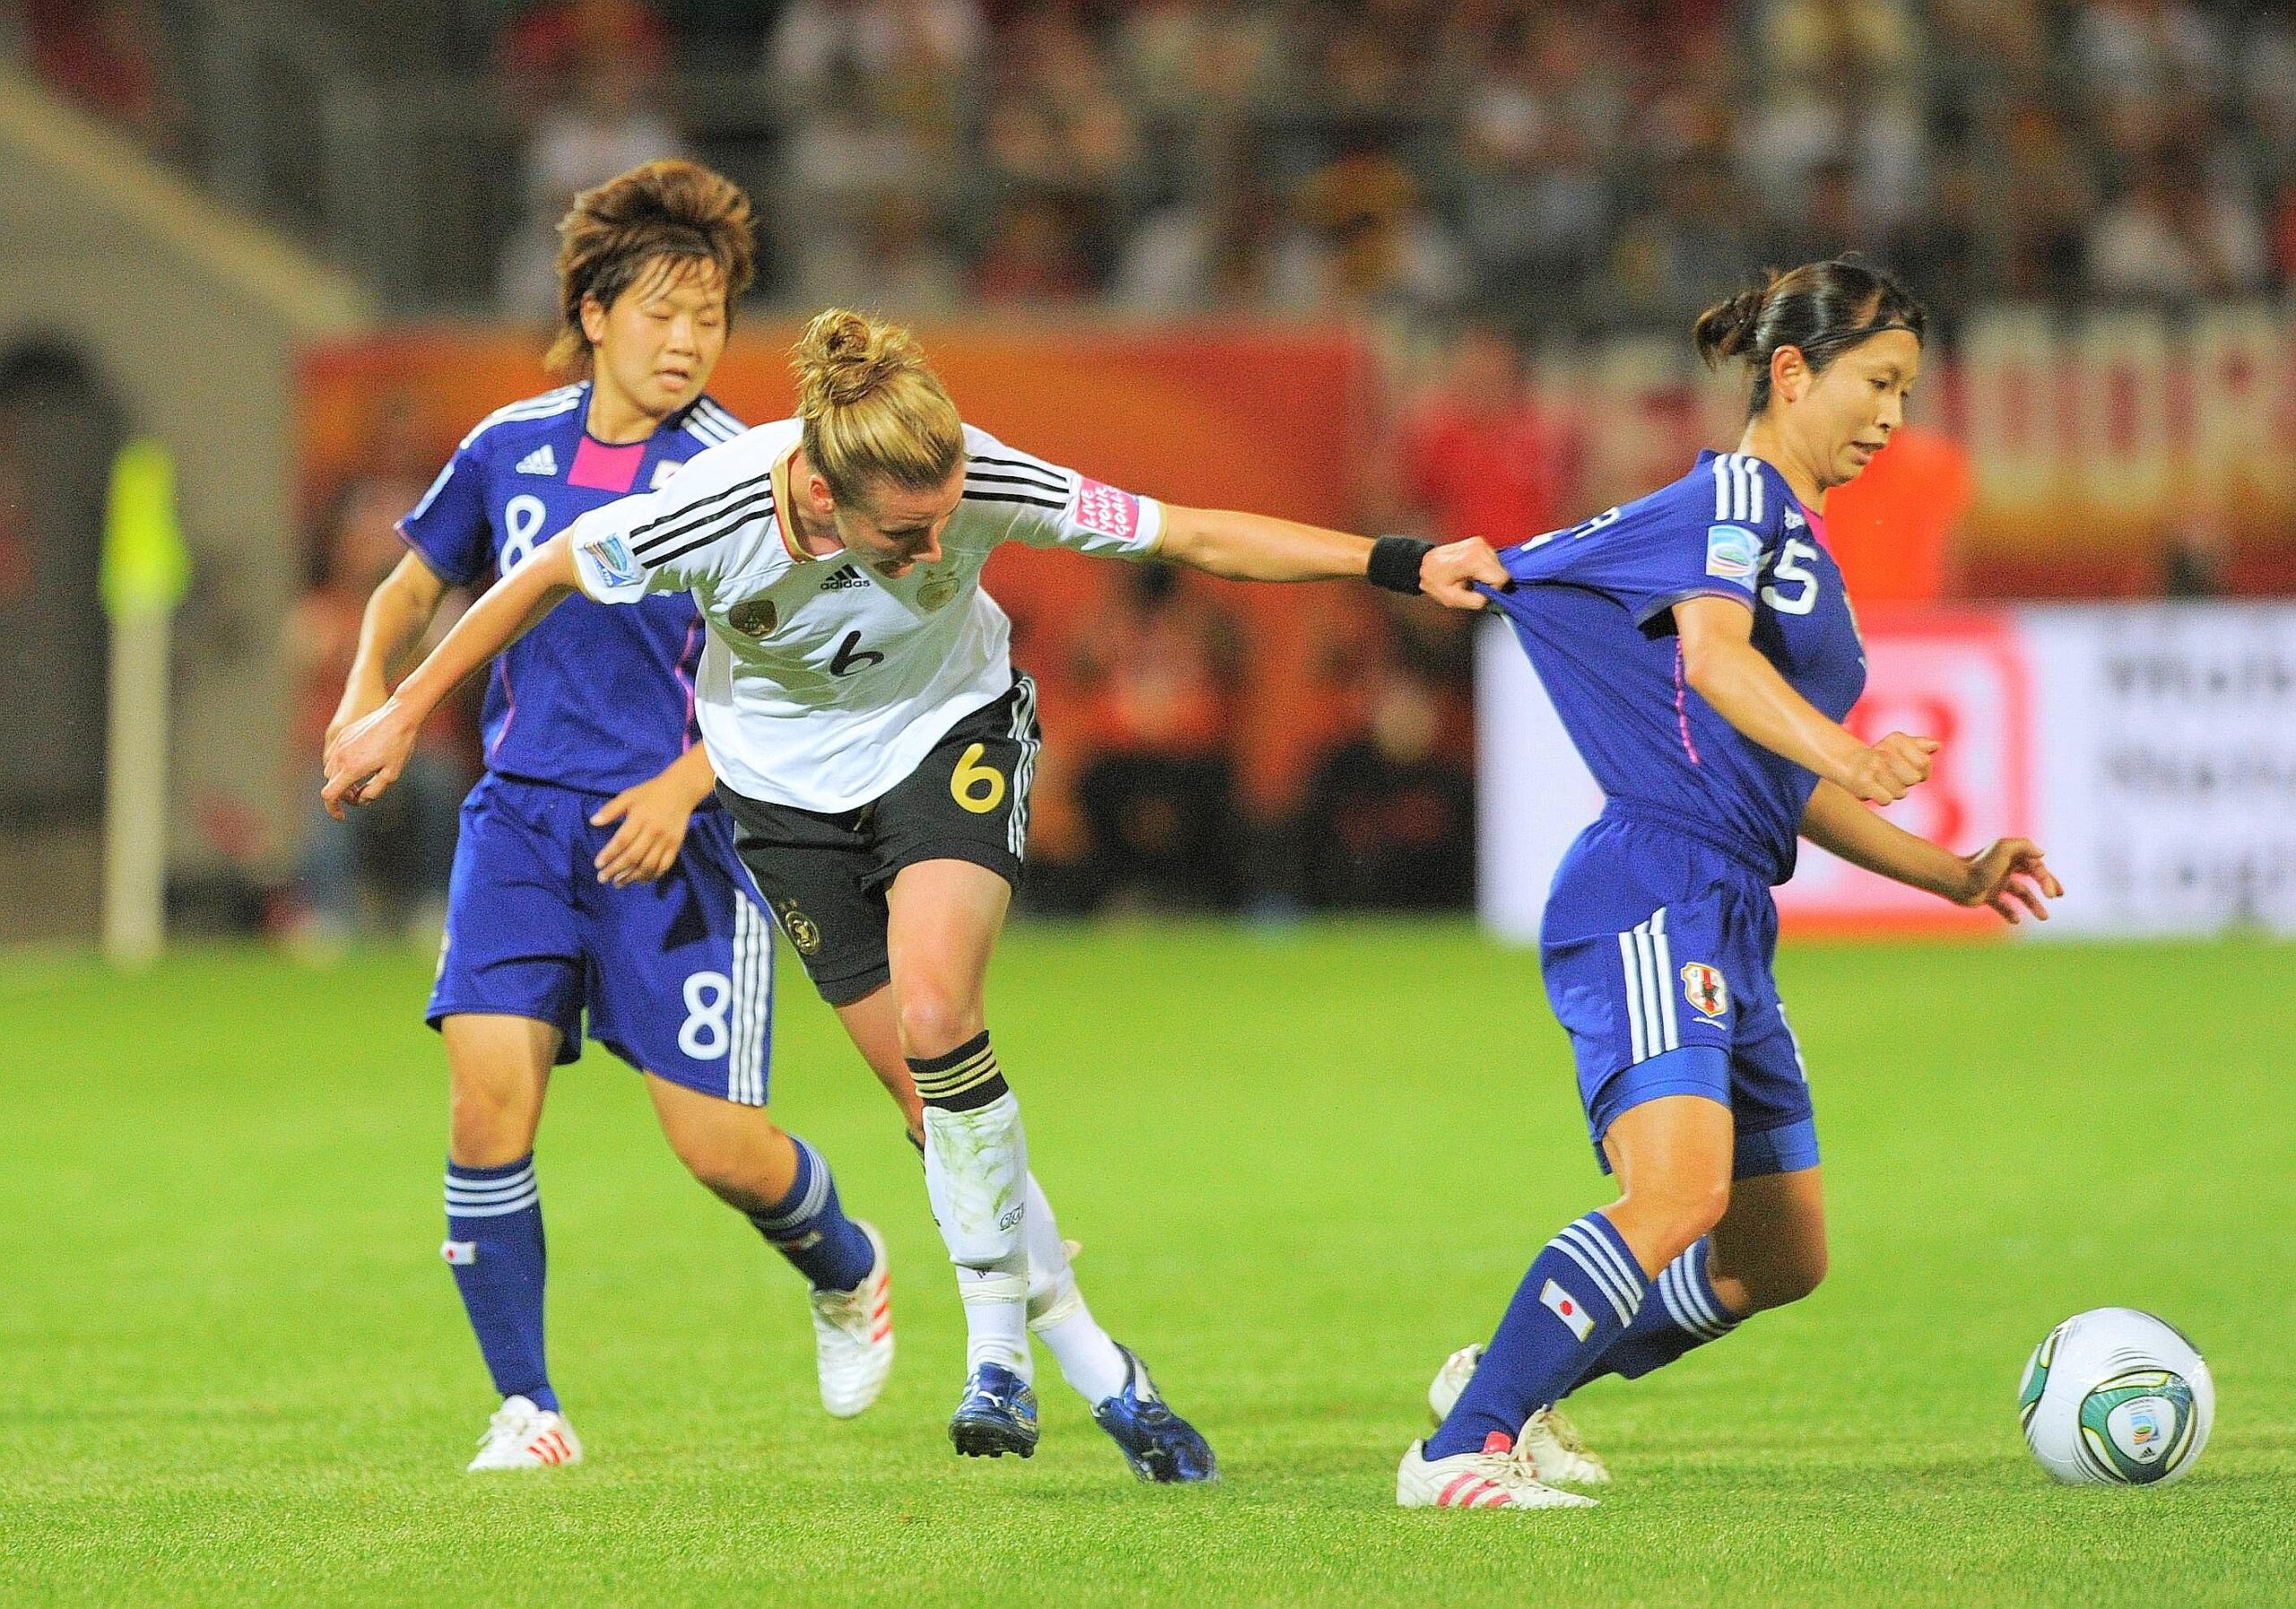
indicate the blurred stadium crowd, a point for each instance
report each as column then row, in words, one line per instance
column 1462, row 176
column 1586, row 166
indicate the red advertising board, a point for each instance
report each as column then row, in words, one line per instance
column 1960, row 677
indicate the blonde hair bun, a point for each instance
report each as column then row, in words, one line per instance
column 844, row 356
column 872, row 408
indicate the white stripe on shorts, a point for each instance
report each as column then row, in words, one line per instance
column 1024, row 717
column 753, row 1006
column 1646, row 956
column 1665, row 976
column 1633, row 966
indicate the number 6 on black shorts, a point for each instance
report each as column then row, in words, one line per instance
column 825, row 875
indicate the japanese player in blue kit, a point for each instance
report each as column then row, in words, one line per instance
column 1700, row 650
column 594, row 873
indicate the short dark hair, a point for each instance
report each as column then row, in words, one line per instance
column 661, row 209
column 1822, row 308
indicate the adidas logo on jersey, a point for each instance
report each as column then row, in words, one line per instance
column 541, row 461
column 1795, row 522
column 845, row 580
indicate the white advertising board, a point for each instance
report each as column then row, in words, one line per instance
column 2150, row 748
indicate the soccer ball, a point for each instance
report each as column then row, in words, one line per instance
column 2116, row 1397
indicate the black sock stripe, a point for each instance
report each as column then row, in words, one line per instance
column 965, row 1100
column 920, row 1066
column 936, row 1086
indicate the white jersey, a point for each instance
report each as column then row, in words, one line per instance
column 825, row 683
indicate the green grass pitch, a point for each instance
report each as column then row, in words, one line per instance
column 1304, row 1167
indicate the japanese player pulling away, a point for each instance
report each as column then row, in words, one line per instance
column 1701, row 653
column 875, row 746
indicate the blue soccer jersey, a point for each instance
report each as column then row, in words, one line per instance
column 1593, row 606
column 593, row 698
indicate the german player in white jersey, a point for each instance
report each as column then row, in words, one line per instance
column 875, row 747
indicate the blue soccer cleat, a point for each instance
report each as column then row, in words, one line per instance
column 997, row 1416
column 1158, row 1443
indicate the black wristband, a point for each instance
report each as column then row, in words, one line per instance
column 1395, row 563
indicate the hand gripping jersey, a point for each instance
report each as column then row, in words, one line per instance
column 825, row 682
column 1593, row 606
column 597, row 699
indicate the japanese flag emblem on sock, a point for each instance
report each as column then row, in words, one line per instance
column 1565, row 1307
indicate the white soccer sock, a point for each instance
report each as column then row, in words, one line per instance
column 996, row 1318
column 1089, row 1360
column 975, row 1171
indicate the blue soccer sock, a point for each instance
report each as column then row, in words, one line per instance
column 494, row 1243
column 1687, row 1314
column 1580, row 1295
column 810, row 1228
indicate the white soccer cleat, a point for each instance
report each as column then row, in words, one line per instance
column 1552, row 1445
column 1550, row 1442
column 852, row 1335
column 523, row 1436
column 1493, row 1478
column 1452, row 1379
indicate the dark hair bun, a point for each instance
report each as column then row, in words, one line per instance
column 1822, row 309
column 1728, row 328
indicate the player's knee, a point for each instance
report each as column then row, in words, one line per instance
column 1698, row 1206
column 716, row 1169
column 733, row 1166
column 936, row 1020
column 1792, row 1281
column 486, row 1128
column 1687, row 1211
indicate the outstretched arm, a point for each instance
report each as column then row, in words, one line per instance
column 400, row 611
column 367, row 757
column 2004, row 875
column 1721, row 664
column 1254, row 547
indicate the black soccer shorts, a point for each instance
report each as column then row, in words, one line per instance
column 825, row 875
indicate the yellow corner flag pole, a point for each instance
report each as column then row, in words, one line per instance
column 145, row 572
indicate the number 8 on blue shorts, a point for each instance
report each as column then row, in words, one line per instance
column 676, row 975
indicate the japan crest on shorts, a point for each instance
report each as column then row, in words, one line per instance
column 1104, row 508
column 1565, row 1307
column 1705, row 991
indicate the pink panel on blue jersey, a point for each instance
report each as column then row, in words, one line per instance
column 604, row 468
column 603, row 696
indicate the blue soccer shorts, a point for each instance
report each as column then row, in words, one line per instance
column 1657, row 951
column 677, row 975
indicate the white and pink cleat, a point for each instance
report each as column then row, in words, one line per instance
column 523, row 1436
column 1497, row 1477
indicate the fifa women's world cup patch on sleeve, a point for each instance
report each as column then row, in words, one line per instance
column 607, row 570
column 610, row 555
column 1733, row 553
